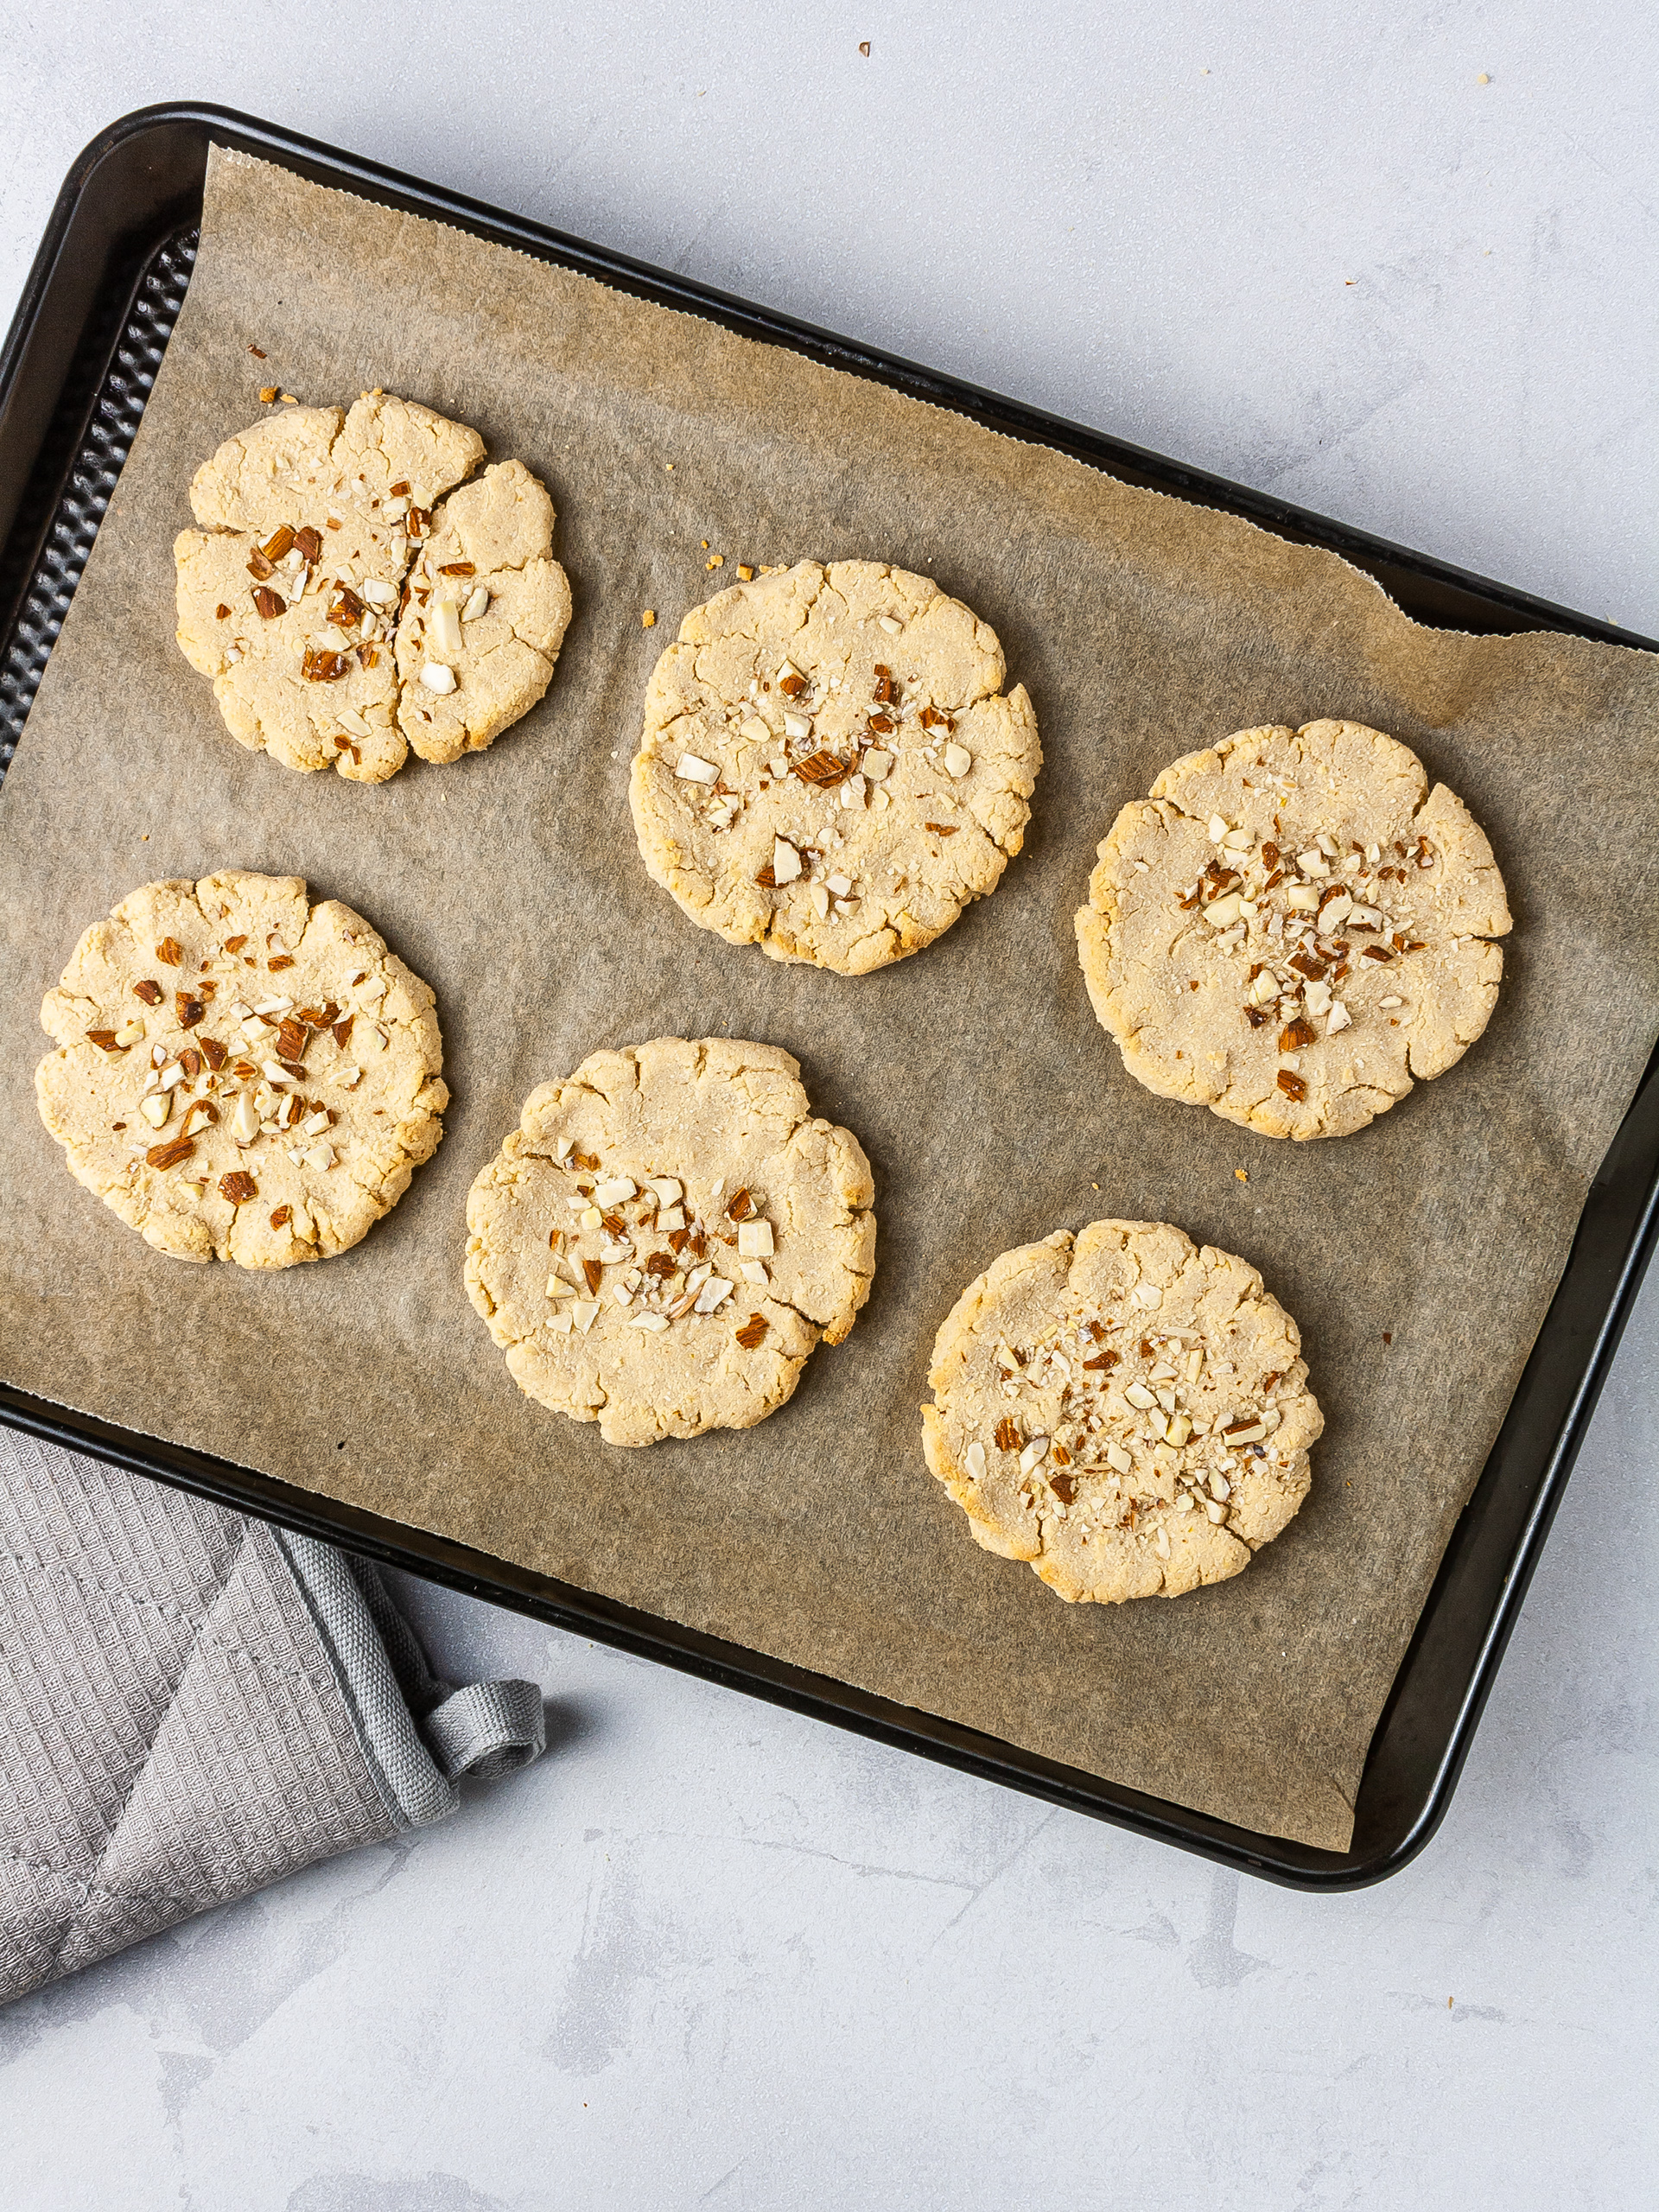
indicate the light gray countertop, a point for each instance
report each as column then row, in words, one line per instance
column 1397, row 270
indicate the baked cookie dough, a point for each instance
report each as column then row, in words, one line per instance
column 829, row 768
column 346, row 608
column 1128, row 1412
column 667, row 1235
column 240, row 1075
column 1292, row 927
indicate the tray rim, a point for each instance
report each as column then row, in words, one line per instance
column 345, row 171
column 498, row 1581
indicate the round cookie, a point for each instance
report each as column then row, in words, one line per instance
column 295, row 596
column 667, row 1235
column 1127, row 1411
column 829, row 768
column 1292, row 927
column 240, row 1075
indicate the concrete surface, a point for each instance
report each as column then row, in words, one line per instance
column 707, row 1954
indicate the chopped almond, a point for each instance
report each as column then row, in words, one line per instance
column 822, row 768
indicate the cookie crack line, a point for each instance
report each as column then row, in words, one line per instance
column 394, row 604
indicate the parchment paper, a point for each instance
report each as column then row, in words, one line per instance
column 992, row 1105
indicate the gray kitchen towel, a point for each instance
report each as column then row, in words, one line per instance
column 193, row 1704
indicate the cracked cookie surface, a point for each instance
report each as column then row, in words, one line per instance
column 1292, row 928
column 1125, row 1411
column 486, row 561
column 667, row 1235
column 297, row 597
column 828, row 766
column 239, row 1075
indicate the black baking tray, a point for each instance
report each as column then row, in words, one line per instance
column 93, row 322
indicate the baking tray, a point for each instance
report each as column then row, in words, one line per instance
column 93, row 322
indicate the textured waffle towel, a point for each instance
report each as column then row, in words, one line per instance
column 193, row 1704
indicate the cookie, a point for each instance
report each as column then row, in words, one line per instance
column 240, row 1075
column 296, row 597
column 1292, row 928
column 667, row 1235
column 1125, row 1411
column 829, row 768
